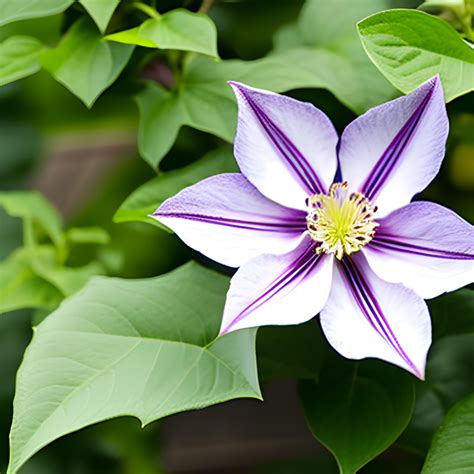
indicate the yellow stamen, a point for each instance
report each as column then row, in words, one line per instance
column 340, row 221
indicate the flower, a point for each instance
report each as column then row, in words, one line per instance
column 357, row 250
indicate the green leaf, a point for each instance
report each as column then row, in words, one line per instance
column 359, row 414
column 19, row 58
column 144, row 348
column 178, row 29
column 290, row 351
column 147, row 198
column 452, row 449
column 332, row 45
column 33, row 207
column 13, row 10
column 101, row 11
column 85, row 63
column 451, row 313
column 88, row 235
column 21, row 287
column 409, row 47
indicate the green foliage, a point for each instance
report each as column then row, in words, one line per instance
column 101, row 11
column 357, row 414
column 144, row 348
column 331, row 43
column 178, row 29
column 85, row 63
column 409, row 47
column 20, row 10
column 19, row 57
column 452, row 449
column 147, row 198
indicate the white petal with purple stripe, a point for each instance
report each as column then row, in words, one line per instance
column 393, row 151
column 424, row 246
column 285, row 147
column 368, row 317
column 278, row 290
column 227, row 219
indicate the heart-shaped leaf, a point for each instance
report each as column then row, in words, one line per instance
column 178, row 29
column 409, row 47
column 359, row 414
column 145, row 348
column 85, row 63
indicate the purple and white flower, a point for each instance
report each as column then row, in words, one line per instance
column 357, row 251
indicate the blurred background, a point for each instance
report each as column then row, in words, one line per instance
column 86, row 163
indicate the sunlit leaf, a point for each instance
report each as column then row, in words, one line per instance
column 148, row 197
column 13, row 10
column 19, row 58
column 85, row 63
column 409, row 47
column 144, row 348
column 178, row 29
column 359, row 414
column 101, row 11
column 452, row 449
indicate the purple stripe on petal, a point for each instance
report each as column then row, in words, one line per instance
column 393, row 244
column 287, row 149
column 393, row 153
column 301, row 268
column 370, row 308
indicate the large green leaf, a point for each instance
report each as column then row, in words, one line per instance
column 85, row 63
column 178, row 29
column 409, row 47
column 144, row 200
column 354, row 79
column 359, row 414
column 21, row 287
column 19, row 58
column 101, row 11
column 452, row 449
column 33, row 207
column 205, row 101
column 145, row 348
column 13, row 10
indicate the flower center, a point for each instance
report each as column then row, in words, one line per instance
column 340, row 221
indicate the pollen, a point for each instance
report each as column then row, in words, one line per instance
column 341, row 222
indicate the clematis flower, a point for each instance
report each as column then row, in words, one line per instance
column 356, row 250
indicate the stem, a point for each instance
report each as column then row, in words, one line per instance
column 205, row 6
column 28, row 234
column 150, row 11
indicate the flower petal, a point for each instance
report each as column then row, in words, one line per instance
column 228, row 220
column 285, row 147
column 368, row 317
column 424, row 246
column 394, row 150
column 278, row 290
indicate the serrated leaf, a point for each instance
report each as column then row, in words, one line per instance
column 85, row 63
column 452, row 449
column 144, row 348
column 359, row 414
column 148, row 197
column 178, row 30
column 21, row 287
column 13, row 10
column 19, row 58
column 101, row 11
column 30, row 205
column 409, row 47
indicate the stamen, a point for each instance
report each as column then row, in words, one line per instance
column 340, row 221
